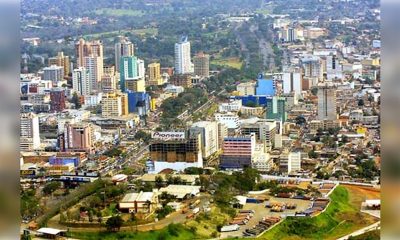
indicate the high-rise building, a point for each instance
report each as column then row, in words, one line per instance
column 183, row 63
column 29, row 132
column 94, row 65
column 333, row 68
column 109, row 80
column 276, row 109
column 62, row 61
column 209, row 136
column 81, row 81
column 201, row 64
column 263, row 129
column 138, row 102
column 292, row 81
column 128, row 70
column 313, row 69
column 327, row 102
column 85, row 49
column 237, row 151
column 141, row 69
column 114, row 104
column 57, row 100
column 123, row 48
column 154, row 75
column 79, row 137
column 174, row 150
column 53, row 73
column 290, row 162
column 183, row 80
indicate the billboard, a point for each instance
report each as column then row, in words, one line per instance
column 168, row 135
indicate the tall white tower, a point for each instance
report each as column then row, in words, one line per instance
column 183, row 63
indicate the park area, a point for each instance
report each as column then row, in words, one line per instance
column 342, row 217
column 232, row 62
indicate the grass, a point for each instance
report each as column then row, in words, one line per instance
column 230, row 62
column 340, row 218
column 178, row 233
column 372, row 235
column 206, row 223
column 119, row 12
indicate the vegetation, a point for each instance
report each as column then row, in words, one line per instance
column 50, row 187
column 163, row 212
column 29, row 203
column 174, row 232
column 340, row 218
column 142, row 135
column 114, row 223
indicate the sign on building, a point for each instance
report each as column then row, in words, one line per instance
column 168, row 135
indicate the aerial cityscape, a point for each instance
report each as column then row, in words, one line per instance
column 211, row 119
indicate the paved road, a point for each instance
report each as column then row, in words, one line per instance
column 362, row 231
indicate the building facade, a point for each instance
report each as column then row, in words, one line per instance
column 202, row 65
column 183, row 62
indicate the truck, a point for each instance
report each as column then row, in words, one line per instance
column 246, row 211
column 230, row 228
column 252, row 200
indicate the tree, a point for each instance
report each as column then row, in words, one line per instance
column 76, row 101
column 114, row 223
column 49, row 188
column 360, row 102
column 159, row 182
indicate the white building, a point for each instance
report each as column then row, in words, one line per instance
column 94, row 65
column 230, row 120
column 294, row 162
column 183, row 63
column 292, row 82
column 209, row 136
column 81, row 81
column 333, row 68
column 53, row 73
column 29, row 132
column 141, row 69
column 232, row 106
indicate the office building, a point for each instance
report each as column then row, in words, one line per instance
column 202, row 65
column 94, row 64
column 123, row 48
column 114, row 104
column 290, row 162
column 263, row 129
column 183, row 63
column 183, row 80
column 276, row 109
column 246, row 89
column 313, row 69
column 222, row 133
column 88, row 48
column 62, row 61
column 333, row 68
column 209, row 136
column 109, row 80
column 292, row 82
column 79, row 137
column 57, row 100
column 81, row 83
column 174, row 150
column 327, row 102
column 154, row 74
column 128, row 71
column 237, row 151
column 29, row 132
column 53, row 73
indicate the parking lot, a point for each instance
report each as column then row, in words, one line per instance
column 261, row 211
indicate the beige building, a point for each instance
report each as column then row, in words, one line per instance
column 143, row 202
column 184, row 80
column 202, row 65
column 62, row 61
column 154, row 74
column 109, row 80
column 247, row 88
column 327, row 102
column 136, row 84
column 88, row 48
column 114, row 105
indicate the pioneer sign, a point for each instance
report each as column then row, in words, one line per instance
column 168, row 135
